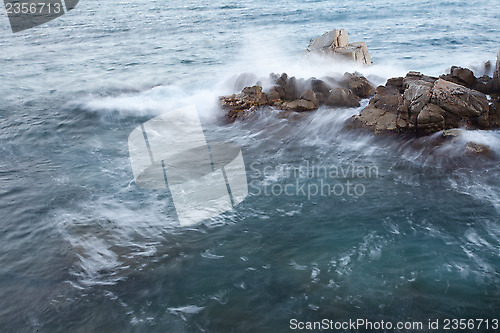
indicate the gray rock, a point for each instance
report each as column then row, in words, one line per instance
column 470, row 106
column 342, row 97
column 336, row 43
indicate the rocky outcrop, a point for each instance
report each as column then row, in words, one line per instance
column 299, row 95
column 422, row 105
column 496, row 75
column 249, row 98
column 336, row 43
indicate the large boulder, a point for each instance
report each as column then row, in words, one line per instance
column 468, row 107
column 336, row 43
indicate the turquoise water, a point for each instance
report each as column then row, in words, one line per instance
column 83, row 249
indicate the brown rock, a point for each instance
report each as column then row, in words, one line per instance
column 342, row 97
column 310, row 96
column 319, row 86
column 383, row 112
column 452, row 134
column 470, row 106
column 273, row 96
column 462, row 76
column 430, row 120
column 484, row 84
column 472, row 148
column 495, row 113
column 417, row 94
column 299, row 105
column 396, row 82
column 359, row 85
column 496, row 76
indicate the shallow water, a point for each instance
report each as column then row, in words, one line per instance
column 84, row 249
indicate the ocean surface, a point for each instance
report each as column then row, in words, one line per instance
column 84, row 249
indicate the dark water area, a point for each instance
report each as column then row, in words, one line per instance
column 84, row 249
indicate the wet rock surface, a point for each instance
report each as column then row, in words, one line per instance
column 299, row 95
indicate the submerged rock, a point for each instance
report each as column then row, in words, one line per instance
column 472, row 148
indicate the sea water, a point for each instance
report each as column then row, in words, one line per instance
column 84, row 249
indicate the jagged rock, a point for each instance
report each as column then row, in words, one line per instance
column 417, row 94
column 430, row 120
column 495, row 113
column 299, row 105
column 342, row 97
column 472, row 148
column 381, row 114
column 462, row 76
column 273, row 95
column 471, row 107
column 451, row 134
column 288, row 87
column 396, row 82
column 428, row 105
column 248, row 98
column 291, row 89
column 310, row 96
column 336, row 42
column 321, row 89
column 356, row 52
column 359, row 85
column 334, row 38
column 496, row 76
column 484, row 84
